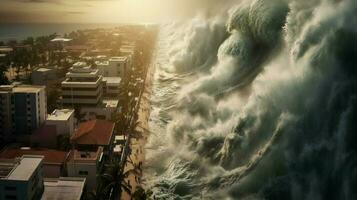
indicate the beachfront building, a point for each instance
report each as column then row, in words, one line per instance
column 83, row 86
column 23, row 109
column 114, row 67
column 93, row 134
column 85, row 164
column 111, row 86
column 21, row 178
column 64, row 121
column 104, row 110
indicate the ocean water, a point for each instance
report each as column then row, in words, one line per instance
column 20, row 31
column 257, row 102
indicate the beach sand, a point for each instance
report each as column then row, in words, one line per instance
column 138, row 144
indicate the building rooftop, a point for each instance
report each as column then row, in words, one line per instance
column 118, row 59
column 97, row 132
column 59, row 39
column 43, row 70
column 112, row 80
column 68, row 188
column 49, row 156
column 60, row 115
column 110, row 103
column 20, row 169
column 85, row 156
column 104, row 63
column 22, row 88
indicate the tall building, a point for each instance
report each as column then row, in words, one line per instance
column 114, row 67
column 21, row 178
column 23, row 108
column 83, row 86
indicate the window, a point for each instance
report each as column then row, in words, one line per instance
column 83, row 173
column 10, row 188
column 10, row 197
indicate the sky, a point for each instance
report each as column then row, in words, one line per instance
column 101, row 11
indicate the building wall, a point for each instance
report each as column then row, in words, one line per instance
column 63, row 127
column 23, row 190
column 86, row 169
column 52, row 171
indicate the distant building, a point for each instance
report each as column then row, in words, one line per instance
column 66, row 188
column 111, row 86
column 64, row 121
column 21, row 178
column 83, row 86
column 54, row 162
column 93, row 134
column 23, row 109
column 42, row 76
column 86, row 164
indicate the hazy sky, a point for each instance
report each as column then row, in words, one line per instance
column 94, row 11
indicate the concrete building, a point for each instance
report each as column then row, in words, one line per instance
column 104, row 111
column 23, row 108
column 42, row 76
column 85, row 164
column 66, row 188
column 54, row 162
column 21, row 178
column 114, row 67
column 83, row 86
column 64, row 121
column 111, row 86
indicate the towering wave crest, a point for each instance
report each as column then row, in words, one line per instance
column 259, row 104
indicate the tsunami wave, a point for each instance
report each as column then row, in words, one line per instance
column 256, row 102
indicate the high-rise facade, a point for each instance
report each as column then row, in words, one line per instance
column 23, row 109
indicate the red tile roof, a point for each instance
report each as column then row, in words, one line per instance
column 50, row 156
column 97, row 132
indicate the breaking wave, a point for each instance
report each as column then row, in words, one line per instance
column 259, row 102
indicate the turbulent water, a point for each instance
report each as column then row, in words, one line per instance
column 257, row 102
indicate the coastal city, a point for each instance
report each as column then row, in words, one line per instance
column 178, row 99
column 74, row 112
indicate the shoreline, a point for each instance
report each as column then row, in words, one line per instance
column 137, row 145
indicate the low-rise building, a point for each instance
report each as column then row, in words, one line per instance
column 111, row 86
column 21, row 178
column 86, row 164
column 42, row 76
column 103, row 111
column 93, row 134
column 54, row 162
column 64, row 121
column 64, row 188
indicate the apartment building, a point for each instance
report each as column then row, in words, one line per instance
column 23, row 109
column 21, row 178
column 64, row 121
column 114, row 67
column 83, row 86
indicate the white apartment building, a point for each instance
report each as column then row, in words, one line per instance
column 64, row 121
column 21, row 178
column 111, row 86
column 23, row 109
column 83, row 86
column 114, row 67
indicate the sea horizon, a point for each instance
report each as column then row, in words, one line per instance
column 20, row 31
